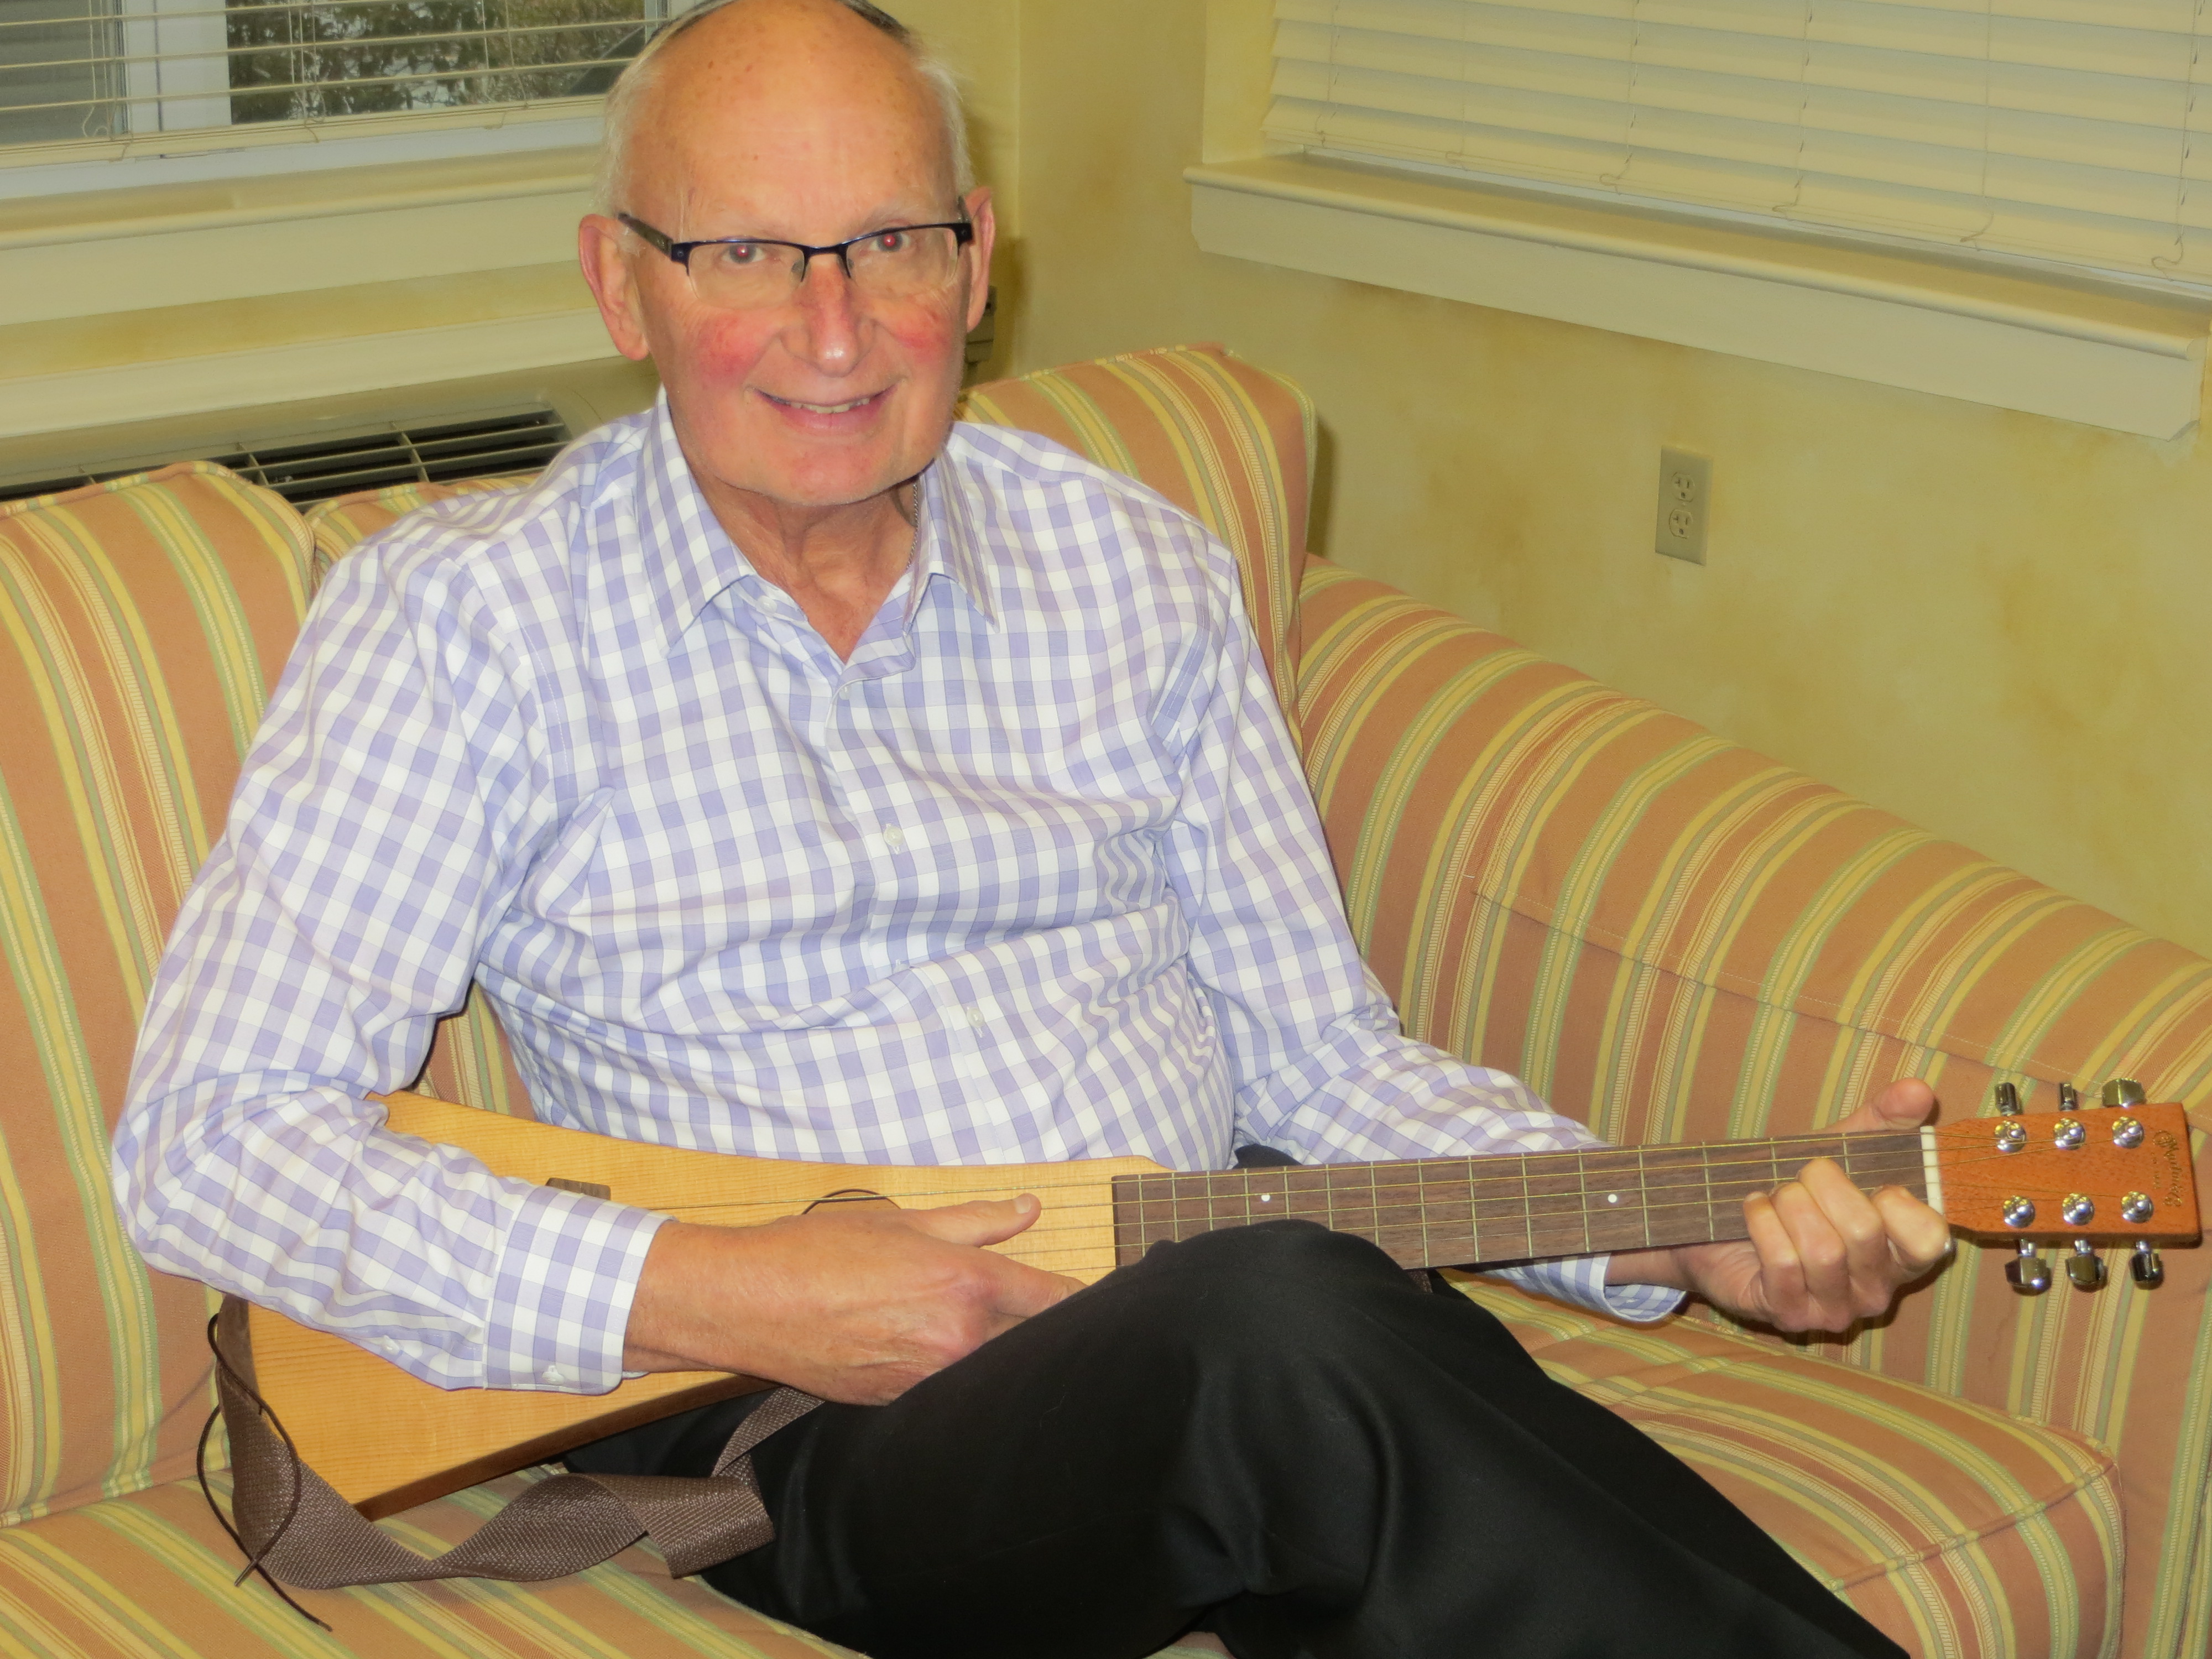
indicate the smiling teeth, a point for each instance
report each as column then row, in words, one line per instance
column 825, row 409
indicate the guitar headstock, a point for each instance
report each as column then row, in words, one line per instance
column 2116, row 1174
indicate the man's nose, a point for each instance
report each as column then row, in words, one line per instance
column 827, row 327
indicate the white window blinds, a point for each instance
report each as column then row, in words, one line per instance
column 2070, row 129
column 72, row 70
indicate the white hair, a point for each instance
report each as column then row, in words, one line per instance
column 628, row 97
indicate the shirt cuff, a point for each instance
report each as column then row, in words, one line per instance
column 560, row 1308
column 1580, row 1280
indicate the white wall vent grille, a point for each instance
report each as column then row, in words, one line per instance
column 304, row 473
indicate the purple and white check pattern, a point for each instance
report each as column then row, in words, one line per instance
column 1035, row 875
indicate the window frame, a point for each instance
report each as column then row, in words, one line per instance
column 1988, row 328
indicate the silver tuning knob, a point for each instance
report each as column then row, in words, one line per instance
column 2124, row 1091
column 2085, row 1266
column 2028, row 1273
column 2144, row 1267
column 2007, row 1097
column 2069, row 1097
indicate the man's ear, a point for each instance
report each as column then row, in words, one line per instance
column 600, row 250
column 978, row 207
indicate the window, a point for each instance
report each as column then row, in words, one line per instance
column 2059, row 130
column 2003, row 201
column 80, row 79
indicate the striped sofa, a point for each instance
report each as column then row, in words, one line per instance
column 1672, row 938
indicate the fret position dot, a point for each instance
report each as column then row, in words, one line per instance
column 1613, row 1198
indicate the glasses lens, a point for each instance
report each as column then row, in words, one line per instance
column 904, row 264
column 742, row 274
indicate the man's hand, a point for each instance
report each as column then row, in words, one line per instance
column 854, row 1301
column 1821, row 1255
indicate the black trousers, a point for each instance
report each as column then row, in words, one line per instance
column 1271, row 1433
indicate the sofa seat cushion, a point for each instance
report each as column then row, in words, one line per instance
column 150, row 1576
column 1956, row 1529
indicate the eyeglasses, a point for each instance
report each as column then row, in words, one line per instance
column 743, row 273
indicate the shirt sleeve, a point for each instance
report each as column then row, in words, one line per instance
column 390, row 806
column 1322, row 1070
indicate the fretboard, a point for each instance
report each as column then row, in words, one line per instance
column 1464, row 1212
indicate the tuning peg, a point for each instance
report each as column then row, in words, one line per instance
column 2007, row 1100
column 2085, row 1266
column 2144, row 1267
column 2124, row 1091
column 2028, row 1273
column 2069, row 1097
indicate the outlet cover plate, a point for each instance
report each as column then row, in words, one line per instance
column 1686, row 503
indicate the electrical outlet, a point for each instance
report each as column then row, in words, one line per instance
column 1686, row 501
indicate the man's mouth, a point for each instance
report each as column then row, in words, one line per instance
column 800, row 404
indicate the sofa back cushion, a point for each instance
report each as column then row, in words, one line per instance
column 142, row 625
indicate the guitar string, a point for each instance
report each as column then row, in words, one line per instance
column 1057, row 1217
column 1908, row 1163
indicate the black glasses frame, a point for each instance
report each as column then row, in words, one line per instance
column 963, row 233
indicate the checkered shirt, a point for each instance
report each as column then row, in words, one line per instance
column 1035, row 875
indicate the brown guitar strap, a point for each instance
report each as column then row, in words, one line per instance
column 293, row 1525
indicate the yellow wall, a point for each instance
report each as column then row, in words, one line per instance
column 1995, row 624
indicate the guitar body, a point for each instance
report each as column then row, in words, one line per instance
column 430, row 1441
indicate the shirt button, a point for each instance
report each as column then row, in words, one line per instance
column 555, row 1374
column 894, row 838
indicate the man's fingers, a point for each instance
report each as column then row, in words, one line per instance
column 1781, row 1274
column 1023, row 1292
column 1918, row 1235
column 980, row 1221
column 1905, row 1104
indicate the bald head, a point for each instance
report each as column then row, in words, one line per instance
column 724, row 42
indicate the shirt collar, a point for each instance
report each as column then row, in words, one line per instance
column 689, row 559
column 950, row 543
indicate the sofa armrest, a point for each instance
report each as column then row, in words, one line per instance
column 1674, row 939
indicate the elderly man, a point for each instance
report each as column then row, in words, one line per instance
column 805, row 776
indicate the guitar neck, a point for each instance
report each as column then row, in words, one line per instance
column 1468, row 1212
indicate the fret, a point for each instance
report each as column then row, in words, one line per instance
column 1890, row 1160
column 1305, row 1191
column 1555, row 1204
column 1643, row 1203
column 1615, row 1216
column 1401, row 1221
column 1677, row 1208
column 1497, row 1206
column 1351, row 1198
column 1448, row 1223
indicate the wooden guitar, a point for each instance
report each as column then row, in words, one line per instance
column 387, row 1441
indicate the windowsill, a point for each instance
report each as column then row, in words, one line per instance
column 2127, row 359
column 290, row 197
column 119, row 306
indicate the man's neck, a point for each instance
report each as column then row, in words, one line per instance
column 839, row 564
